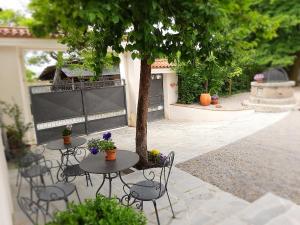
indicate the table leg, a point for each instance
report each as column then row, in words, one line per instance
column 97, row 192
column 109, row 179
column 60, row 166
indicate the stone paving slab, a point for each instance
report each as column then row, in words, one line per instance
column 195, row 201
column 192, row 203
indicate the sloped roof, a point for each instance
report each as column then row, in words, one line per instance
column 48, row 72
column 15, row 32
column 160, row 64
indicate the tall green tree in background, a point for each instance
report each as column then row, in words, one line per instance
column 9, row 17
column 284, row 48
column 149, row 29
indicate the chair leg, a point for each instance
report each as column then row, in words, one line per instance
column 77, row 195
column 66, row 201
column 18, row 178
column 90, row 179
column 19, row 188
column 157, row 218
column 142, row 206
column 170, row 203
column 51, row 177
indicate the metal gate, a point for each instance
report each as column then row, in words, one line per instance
column 156, row 98
column 89, row 107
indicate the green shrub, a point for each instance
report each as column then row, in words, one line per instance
column 101, row 211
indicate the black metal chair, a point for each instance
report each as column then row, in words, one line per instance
column 31, row 157
column 36, row 213
column 150, row 189
column 29, row 172
column 72, row 170
column 49, row 193
column 55, row 192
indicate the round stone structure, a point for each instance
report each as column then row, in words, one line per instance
column 272, row 96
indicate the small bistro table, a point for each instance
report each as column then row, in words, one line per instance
column 66, row 151
column 97, row 164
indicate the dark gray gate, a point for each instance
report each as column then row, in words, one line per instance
column 89, row 107
column 156, row 98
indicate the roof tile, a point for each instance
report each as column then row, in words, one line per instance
column 160, row 64
column 15, row 32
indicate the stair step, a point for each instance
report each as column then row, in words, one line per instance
column 260, row 212
column 291, row 217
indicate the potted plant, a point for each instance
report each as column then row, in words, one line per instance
column 100, row 210
column 108, row 146
column 15, row 131
column 93, row 146
column 66, row 133
column 155, row 158
column 259, row 77
column 214, row 99
column 205, row 98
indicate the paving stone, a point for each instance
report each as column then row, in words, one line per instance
column 265, row 209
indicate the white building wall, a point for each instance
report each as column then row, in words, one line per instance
column 6, row 207
column 13, row 86
column 130, row 70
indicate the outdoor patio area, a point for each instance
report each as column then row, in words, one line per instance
column 194, row 201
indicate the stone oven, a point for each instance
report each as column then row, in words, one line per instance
column 273, row 92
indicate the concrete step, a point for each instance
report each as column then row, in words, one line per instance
column 270, row 107
column 261, row 211
column 291, row 217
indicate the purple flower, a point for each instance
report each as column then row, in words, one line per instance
column 107, row 136
column 94, row 150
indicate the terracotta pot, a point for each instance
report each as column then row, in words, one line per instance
column 205, row 99
column 67, row 139
column 215, row 101
column 111, row 155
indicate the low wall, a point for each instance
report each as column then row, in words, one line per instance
column 5, row 194
column 188, row 113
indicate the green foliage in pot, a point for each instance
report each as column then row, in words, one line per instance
column 67, row 131
column 106, row 145
column 102, row 211
column 17, row 129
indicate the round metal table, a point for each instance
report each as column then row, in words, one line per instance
column 66, row 151
column 59, row 144
column 97, row 164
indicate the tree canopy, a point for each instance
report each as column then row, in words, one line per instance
column 9, row 17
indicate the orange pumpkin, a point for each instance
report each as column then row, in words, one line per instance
column 205, row 99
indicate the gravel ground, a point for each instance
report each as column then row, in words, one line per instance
column 267, row 161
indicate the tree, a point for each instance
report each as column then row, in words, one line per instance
column 9, row 17
column 284, row 48
column 149, row 29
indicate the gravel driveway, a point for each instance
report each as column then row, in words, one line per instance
column 267, row 161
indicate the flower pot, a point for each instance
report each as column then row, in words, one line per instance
column 205, row 99
column 111, row 155
column 67, row 139
column 215, row 101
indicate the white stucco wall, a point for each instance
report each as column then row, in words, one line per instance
column 13, row 87
column 130, row 71
column 170, row 85
column 6, row 207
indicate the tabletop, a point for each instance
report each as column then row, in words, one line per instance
column 97, row 163
column 59, row 144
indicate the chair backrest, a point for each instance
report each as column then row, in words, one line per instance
column 164, row 173
column 36, row 213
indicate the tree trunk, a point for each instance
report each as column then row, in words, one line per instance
column 295, row 69
column 142, row 113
